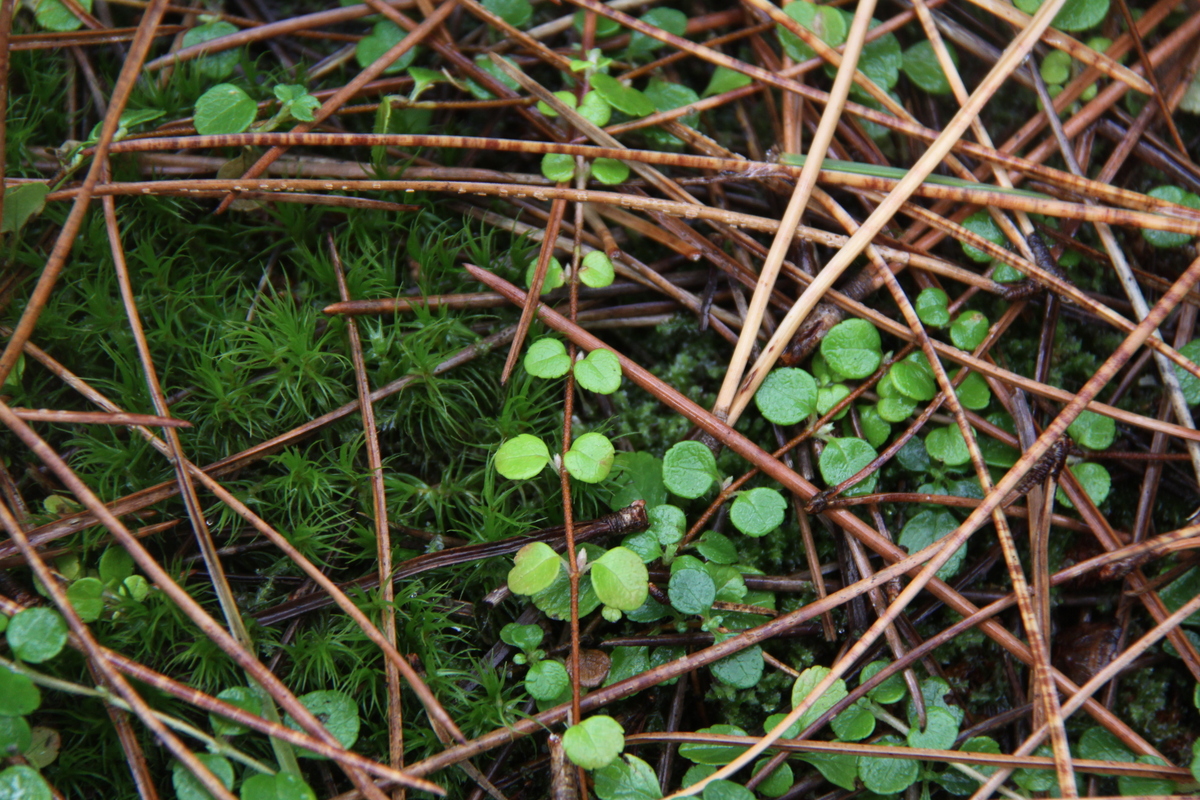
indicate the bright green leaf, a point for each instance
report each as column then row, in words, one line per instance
column 622, row 97
column 22, row 782
column 855, row 723
column 742, row 669
column 115, row 565
column 726, row 790
column 1187, row 381
column 599, row 371
column 36, row 634
column 892, row 690
column 947, row 445
column 725, row 80
column 668, row 19
column 1075, row 15
column 852, row 347
column 224, row 109
column 522, row 457
column 620, row 579
column 913, row 380
column 22, row 202
column 840, row 769
column 717, row 548
column 18, row 694
column 280, row 786
column 874, row 427
column 590, row 458
column 558, row 167
column 777, row 782
column 595, row 742
column 981, row 223
column 974, row 392
column 54, row 16
column 1093, row 431
column 1094, row 479
column 969, row 330
column 546, row 680
column 596, row 270
column 547, row 358
column 827, row 22
column 922, row 67
column 86, row 596
column 1172, row 194
column 515, row 12
column 931, row 307
column 15, row 735
column 535, row 566
column 245, row 698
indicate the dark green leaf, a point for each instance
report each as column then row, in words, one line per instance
column 922, row 68
column 778, row 782
column 840, row 769
column 535, row 566
column 337, row 711
column 627, row 662
column 740, row 670
column 21, row 202
column 757, row 512
column 383, row 37
column 717, row 547
column 892, row 690
column 115, row 565
column 692, row 591
column 931, row 307
column 622, row 97
column 981, row 223
column 928, row 527
column 855, row 723
column 54, row 16
column 547, row 358
column 1093, row 431
column 726, row 790
column 1187, row 381
column 668, row 19
column 1094, row 479
column 888, row 775
column 25, row 783
column 637, row 476
column 842, row 459
column 714, row 754
column 245, row 698
column 15, row 736
column 804, row 686
column 87, row 598
column 826, row 22
column 627, row 778
column 515, row 12
column 725, row 80
column 18, row 694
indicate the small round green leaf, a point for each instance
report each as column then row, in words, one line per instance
column 547, row 358
column 725, row 80
column 515, row 12
column 15, row 736
column 974, row 392
column 555, row 277
column 969, row 330
column 778, row 782
column 523, row 637
column 568, row 99
column 913, row 380
column 787, row 396
column 1094, row 479
column 224, row 109
column 669, row 19
column 622, row 97
column 522, row 457
column 546, row 680
column 874, row 427
column 689, row 468
column 757, row 512
column 667, row 96
column 383, row 37
column 558, row 167
column 87, row 598
column 941, row 729
column 628, row 779
column 36, row 634
column 605, row 27
column 740, row 670
column 852, row 347
column 337, row 711
column 1187, row 381
column 595, row 742
column 25, row 783
column 668, row 523
column 280, row 786
column 855, row 723
column 620, row 579
column 931, row 307
column 922, row 67
column 726, row 790
column 610, row 171
column 1093, row 431
column 926, row 528
column 115, row 565
column 827, row 22
column 1075, row 15
column 888, row 775
column 187, row 787
column 597, row 269
column 692, row 591
column 535, row 567
column 946, row 444
column 1056, row 67
column 892, row 690
column 18, row 694
column 804, row 686
column 895, row 409
column 599, row 371
column 244, row 698
column 981, row 223
column 54, row 16
column 217, row 66
column 595, row 109
column 1172, row 194
column 717, row 548
column 830, row 396
column 842, row 459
